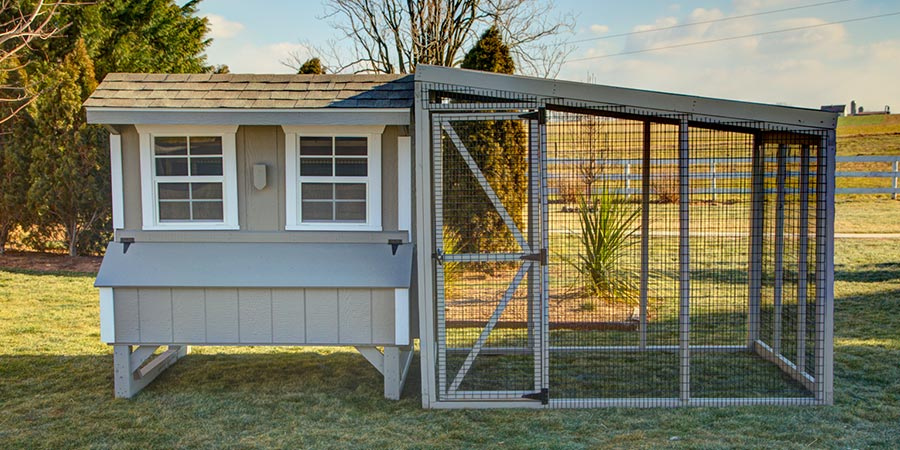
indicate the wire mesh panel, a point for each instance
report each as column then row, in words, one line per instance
column 488, row 229
column 612, row 298
column 600, row 255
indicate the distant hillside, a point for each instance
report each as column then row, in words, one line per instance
column 868, row 125
column 869, row 135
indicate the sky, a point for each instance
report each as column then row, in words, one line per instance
column 814, row 66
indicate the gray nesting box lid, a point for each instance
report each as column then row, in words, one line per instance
column 272, row 265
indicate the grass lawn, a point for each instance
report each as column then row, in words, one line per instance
column 56, row 387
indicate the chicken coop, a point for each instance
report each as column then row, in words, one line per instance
column 583, row 246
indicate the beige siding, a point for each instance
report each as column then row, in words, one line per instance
column 254, row 316
column 222, row 324
column 131, row 177
column 188, row 315
column 288, row 315
column 258, row 210
column 155, row 314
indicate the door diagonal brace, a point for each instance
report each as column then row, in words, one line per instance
column 486, row 332
column 482, row 180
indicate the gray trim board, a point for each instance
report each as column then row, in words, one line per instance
column 700, row 106
column 255, row 265
column 224, row 116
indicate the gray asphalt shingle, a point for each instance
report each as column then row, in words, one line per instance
column 154, row 90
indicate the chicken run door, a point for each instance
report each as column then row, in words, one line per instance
column 491, row 255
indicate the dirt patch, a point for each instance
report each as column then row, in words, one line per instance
column 49, row 262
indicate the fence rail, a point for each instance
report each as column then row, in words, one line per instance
column 631, row 171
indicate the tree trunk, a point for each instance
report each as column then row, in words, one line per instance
column 72, row 234
column 4, row 235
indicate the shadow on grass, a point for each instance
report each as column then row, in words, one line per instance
column 868, row 273
column 55, row 273
column 305, row 373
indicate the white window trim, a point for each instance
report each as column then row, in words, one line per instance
column 149, row 210
column 292, row 134
column 116, row 183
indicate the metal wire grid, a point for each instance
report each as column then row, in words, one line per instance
column 488, row 221
column 595, row 364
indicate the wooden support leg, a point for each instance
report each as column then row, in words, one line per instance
column 132, row 375
column 393, row 363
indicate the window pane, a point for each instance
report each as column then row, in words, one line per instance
column 351, row 211
column 350, row 146
column 354, row 191
column 206, row 166
column 315, row 146
column 173, row 191
column 207, row 210
column 174, row 211
column 317, row 191
column 317, row 211
column 315, row 167
column 206, row 191
column 170, row 145
column 203, row 145
column 169, row 167
column 356, row 167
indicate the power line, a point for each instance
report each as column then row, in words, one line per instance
column 703, row 22
column 731, row 38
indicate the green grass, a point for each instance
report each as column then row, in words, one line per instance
column 56, row 387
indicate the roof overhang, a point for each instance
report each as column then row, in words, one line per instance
column 699, row 108
column 262, row 265
column 246, row 116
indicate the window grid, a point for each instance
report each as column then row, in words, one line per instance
column 191, row 180
column 334, row 180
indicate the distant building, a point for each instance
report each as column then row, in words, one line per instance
column 834, row 108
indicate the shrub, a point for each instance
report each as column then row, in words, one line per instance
column 606, row 233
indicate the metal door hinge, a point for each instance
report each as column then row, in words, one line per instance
column 438, row 256
column 543, row 396
column 540, row 257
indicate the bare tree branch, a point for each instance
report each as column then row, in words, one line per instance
column 393, row 36
column 22, row 23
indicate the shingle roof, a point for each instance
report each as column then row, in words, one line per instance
column 150, row 90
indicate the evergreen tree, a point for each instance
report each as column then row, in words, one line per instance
column 69, row 171
column 500, row 148
column 134, row 36
column 15, row 155
column 312, row 66
column 490, row 54
column 70, row 164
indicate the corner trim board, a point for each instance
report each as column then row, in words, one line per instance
column 115, row 169
column 401, row 316
column 404, row 185
column 107, row 316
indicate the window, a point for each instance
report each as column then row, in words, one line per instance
column 335, row 183
column 188, row 177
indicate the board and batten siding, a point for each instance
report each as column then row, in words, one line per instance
column 258, row 210
column 254, row 316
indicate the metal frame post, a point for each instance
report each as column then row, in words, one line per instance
column 535, row 286
column 545, row 269
column 437, row 136
column 756, row 239
column 802, row 257
column 780, row 175
column 645, row 232
column 684, row 249
column 825, row 174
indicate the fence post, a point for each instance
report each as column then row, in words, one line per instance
column 894, row 184
column 628, row 179
column 712, row 171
